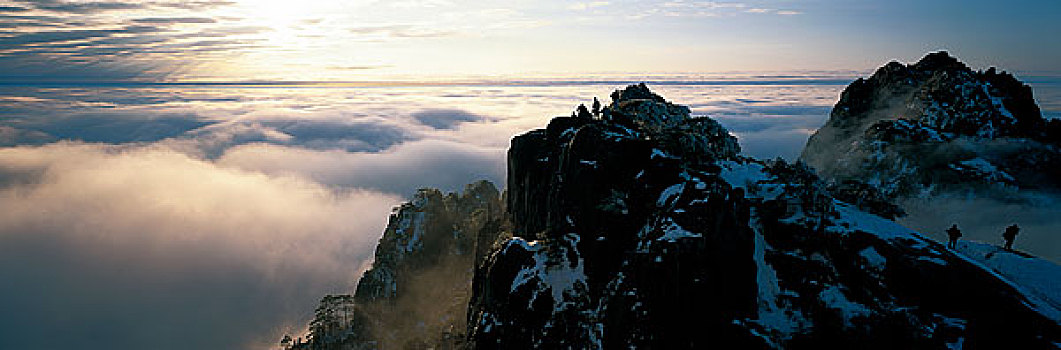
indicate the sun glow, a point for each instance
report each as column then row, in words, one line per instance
column 280, row 13
column 293, row 39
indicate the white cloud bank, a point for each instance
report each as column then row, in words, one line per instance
column 96, row 240
column 401, row 169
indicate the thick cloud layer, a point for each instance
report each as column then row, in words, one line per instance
column 402, row 169
column 446, row 118
column 147, row 248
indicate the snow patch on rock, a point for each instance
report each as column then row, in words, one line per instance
column 781, row 321
column 834, row 298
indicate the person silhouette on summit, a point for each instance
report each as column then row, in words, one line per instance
column 1010, row 234
column 953, row 233
column 583, row 113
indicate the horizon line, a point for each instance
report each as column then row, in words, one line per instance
column 522, row 82
column 413, row 83
column 674, row 79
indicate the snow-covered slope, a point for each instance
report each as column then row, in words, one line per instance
column 1038, row 279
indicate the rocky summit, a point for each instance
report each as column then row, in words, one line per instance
column 638, row 225
column 938, row 127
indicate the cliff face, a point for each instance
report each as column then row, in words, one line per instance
column 937, row 127
column 640, row 226
column 416, row 293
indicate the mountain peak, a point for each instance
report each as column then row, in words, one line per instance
column 939, row 61
column 635, row 92
column 651, row 112
column 908, row 126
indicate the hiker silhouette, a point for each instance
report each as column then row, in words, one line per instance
column 953, row 233
column 1010, row 233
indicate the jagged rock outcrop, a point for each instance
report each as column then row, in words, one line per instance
column 937, row 127
column 641, row 226
column 416, row 293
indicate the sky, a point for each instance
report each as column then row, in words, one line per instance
column 334, row 40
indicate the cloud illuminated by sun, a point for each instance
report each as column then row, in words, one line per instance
column 287, row 13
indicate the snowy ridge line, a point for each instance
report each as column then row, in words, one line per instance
column 1037, row 275
column 1047, row 308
